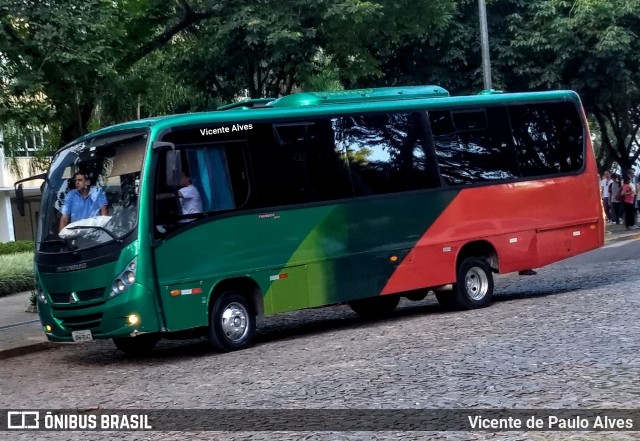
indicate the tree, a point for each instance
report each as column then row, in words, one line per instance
column 450, row 56
column 55, row 57
column 68, row 55
column 77, row 55
column 590, row 46
column 271, row 48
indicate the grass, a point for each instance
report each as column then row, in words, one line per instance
column 16, row 273
column 19, row 246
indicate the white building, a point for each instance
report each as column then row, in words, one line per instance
column 12, row 225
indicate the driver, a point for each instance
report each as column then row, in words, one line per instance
column 83, row 202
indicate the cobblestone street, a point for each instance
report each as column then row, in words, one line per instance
column 566, row 338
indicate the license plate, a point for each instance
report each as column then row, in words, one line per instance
column 81, row 336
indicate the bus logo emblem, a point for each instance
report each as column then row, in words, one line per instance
column 73, row 298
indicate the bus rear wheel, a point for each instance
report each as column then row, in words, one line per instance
column 232, row 323
column 139, row 345
column 375, row 307
column 474, row 285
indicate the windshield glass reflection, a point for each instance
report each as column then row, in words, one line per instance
column 91, row 193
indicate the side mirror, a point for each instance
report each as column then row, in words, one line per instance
column 174, row 168
column 20, row 190
column 20, row 199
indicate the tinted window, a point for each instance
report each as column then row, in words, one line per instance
column 474, row 145
column 214, row 158
column 211, row 168
column 296, row 162
column 386, row 153
column 549, row 138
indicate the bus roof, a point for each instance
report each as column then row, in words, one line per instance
column 319, row 103
column 359, row 96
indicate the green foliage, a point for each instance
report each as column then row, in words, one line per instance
column 78, row 65
column 16, row 273
column 81, row 64
column 19, row 246
column 56, row 57
column 588, row 46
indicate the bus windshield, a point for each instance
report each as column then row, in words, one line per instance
column 98, row 180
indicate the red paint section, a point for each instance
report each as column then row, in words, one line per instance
column 529, row 224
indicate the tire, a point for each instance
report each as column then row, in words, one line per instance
column 375, row 307
column 137, row 346
column 232, row 323
column 474, row 285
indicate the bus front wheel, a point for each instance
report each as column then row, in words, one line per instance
column 232, row 323
column 473, row 288
column 136, row 346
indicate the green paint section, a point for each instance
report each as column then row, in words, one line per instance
column 81, row 280
column 348, row 254
column 104, row 316
column 254, row 245
column 299, row 257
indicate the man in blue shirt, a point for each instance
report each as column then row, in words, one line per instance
column 83, row 202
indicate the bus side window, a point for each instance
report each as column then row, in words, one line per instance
column 211, row 176
column 386, row 153
column 296, row 163
column 474, row 145
column 549, row 138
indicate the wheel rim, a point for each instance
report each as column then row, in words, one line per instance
column 235, row 322
column 476, row 283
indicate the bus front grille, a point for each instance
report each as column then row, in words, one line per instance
column 88, row 321
column 82, row 296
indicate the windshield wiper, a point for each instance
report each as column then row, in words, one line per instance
column 66, row 242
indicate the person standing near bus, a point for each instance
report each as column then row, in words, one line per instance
column 604, row 188
column 628, row 199
column 83, row 202
column 617, row 205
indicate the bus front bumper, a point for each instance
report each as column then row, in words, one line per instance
column 130, row 313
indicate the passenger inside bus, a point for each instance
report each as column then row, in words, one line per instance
column 190, row 200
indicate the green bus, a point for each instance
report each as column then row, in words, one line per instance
column 313, row 199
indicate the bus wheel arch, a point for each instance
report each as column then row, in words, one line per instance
column 480, row 249
column 233, row 307
column 473, row 288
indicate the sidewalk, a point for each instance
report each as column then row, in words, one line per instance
column 21, row 332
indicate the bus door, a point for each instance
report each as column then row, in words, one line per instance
column 192, row 248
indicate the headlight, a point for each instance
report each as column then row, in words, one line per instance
column 125, row 279
column 130, row 277
column 41, row 296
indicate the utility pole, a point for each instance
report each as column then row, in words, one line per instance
column 484, row 39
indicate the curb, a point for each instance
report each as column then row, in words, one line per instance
column 618, row 238
column 28, row 349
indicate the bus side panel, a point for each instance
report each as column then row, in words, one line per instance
column 530, row 224
column 210, row 250
column 359, row 245
column 338, row 252
column 516, row 251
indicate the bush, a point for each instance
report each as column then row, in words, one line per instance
column 19, row 246
column 16, row 273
